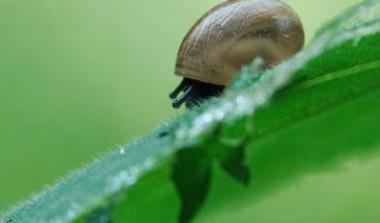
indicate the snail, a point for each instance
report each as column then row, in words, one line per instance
column 229, row 36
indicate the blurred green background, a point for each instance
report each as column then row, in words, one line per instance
column 78, row 78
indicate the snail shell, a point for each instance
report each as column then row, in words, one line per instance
column 233, row 34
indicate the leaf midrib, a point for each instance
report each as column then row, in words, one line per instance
column 311, row 83
column 337, row 75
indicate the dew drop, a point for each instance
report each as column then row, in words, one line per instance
column 243, row 103
column 129, row 177
column 356, row 41
column 71, row 213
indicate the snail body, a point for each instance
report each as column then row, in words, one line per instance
column 229, row 36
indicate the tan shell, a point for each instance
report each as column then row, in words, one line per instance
column 233, row 34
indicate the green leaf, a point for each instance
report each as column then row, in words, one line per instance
column 309, row 114
column 192, row 176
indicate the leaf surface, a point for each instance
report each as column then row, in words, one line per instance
column 314, row 112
